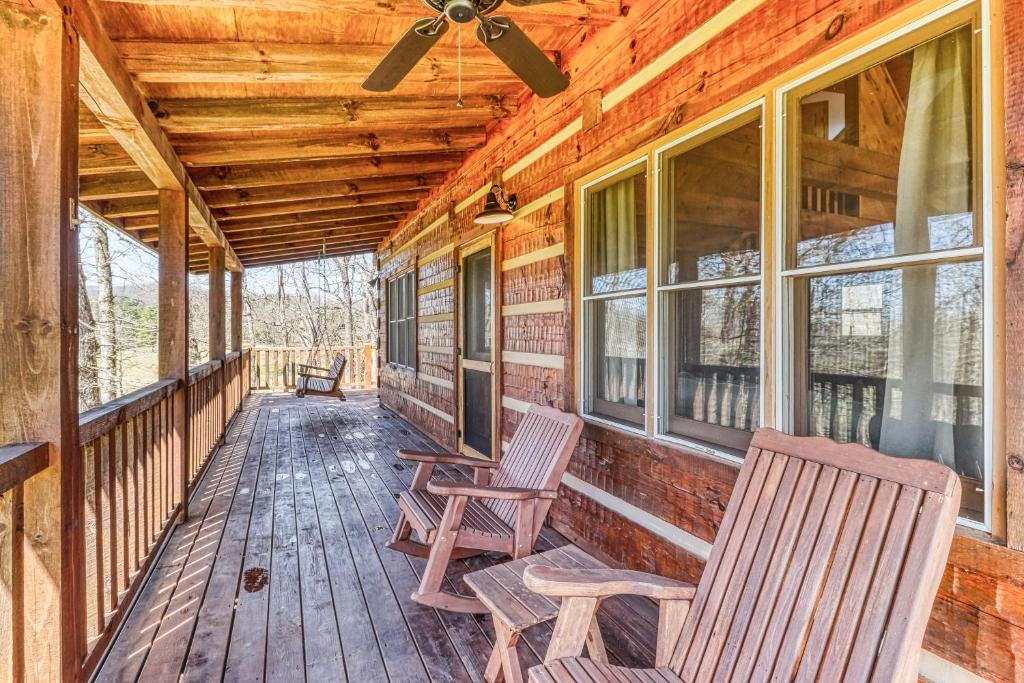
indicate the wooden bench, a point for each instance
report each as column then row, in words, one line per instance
column 318, row 381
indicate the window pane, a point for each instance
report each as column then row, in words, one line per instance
column 895, row 361
column 886, row 159
column 712, row 345
column 617, row 357
column 712, row 220
column 616, row 237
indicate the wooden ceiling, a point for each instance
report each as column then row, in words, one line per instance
column 262, row 101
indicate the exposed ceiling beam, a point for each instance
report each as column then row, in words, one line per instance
column 183, row 116
column 247, row 62
column 151, row 235
column 255, row 175
column 336, row 215
column 317, row 190
column 308, row 243
column 296, row 257
column 108, row 90
column 262, row 147
column 298, row 251
column 95, row 158
column 307, row 232
column 227, row 216
column 594, row 12
column 115, row 186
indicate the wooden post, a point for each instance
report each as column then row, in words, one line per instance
column 39, row 334
column 236, row 310
column 216, row 257
column 236, row 335
column 173, row 345
column 217, row 342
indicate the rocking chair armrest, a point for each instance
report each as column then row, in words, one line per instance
column 445, row 459
column 491, row 492
column 303, row 367
column 603, row 583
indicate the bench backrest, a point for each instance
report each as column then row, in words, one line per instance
column 825, row 566
column 338, row 369
column 537, row 457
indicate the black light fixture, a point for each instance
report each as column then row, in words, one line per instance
column 498, row 208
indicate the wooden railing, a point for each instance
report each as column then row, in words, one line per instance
column 132, row 494
column 18, row 464
column 276, row 367
column 136, row 477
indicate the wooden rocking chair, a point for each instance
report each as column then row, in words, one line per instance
column 314, row 380
column 825, row 568
column 503, row 512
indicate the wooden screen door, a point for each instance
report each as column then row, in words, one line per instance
column 475, row 359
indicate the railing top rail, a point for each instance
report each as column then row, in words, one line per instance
column 96, row 422
column 232, row 355
column 21, row 461
column 203, row 371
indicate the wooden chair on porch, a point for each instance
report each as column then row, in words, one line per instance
column 502, row 510
column 825, row 568
column 319, row 381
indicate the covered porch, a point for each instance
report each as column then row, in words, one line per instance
column 303, row 491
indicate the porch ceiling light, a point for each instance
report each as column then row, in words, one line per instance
column 498, row 208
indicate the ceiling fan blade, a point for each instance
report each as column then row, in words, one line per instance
column 509, row 44
column 405, row 54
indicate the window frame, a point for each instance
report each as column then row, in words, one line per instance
column 402, row 284
column 612, row 415
column 893, row 35
column 790, row 328
column 722, row 124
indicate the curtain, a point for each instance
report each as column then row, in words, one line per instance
column 932, row 196
column 615, row 265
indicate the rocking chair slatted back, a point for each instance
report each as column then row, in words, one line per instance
column 825, row 566
column 536, row 458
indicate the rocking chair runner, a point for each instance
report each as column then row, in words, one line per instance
column 321, row 381
column 825, row 568
column 503, row 512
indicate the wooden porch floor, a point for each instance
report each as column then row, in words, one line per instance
column 281, row 571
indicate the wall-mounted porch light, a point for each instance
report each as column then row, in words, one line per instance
column 498, row 208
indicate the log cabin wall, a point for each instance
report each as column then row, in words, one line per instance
column 730, row 49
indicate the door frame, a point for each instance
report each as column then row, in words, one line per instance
column 487, row 241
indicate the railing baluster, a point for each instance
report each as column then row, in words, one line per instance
column 99, row 505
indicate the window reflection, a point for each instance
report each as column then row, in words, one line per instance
column 714, row 369
column 885, row 158
column 896, row 363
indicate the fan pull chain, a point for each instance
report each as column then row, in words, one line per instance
column 459, row 104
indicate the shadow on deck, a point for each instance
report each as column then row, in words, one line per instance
column 281, row 573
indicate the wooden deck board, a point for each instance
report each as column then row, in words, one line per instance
column 281, row 572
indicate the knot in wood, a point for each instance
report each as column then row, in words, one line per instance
column 835, row 26
column 1016, row 463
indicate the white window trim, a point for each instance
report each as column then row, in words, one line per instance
column 658, row 403
column 784, row 305
column 582, row 353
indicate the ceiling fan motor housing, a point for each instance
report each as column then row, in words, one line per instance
column 460, row 11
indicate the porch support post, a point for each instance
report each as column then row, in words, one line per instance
column 39, row 335
column 236, row 310
column 173, row 322
column 216, row 258
column 217, row 350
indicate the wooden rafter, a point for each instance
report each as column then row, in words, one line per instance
column 110, row 93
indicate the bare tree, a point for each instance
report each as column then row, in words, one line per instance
column 106, row 320
column 88, row 348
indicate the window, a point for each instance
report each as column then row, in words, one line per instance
column 402, row 320
column 884, row 262
column 614, row 325
column 876, row 329
column 709, row 285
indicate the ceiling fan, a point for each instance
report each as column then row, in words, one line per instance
column 499, row 34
